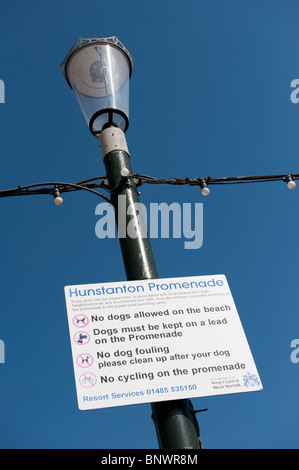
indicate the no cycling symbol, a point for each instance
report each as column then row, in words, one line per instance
column 88, row 380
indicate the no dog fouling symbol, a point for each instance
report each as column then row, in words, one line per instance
column 81, row 337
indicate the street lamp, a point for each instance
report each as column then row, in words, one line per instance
column 98, row 70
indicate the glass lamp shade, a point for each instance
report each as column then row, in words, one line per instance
column 99, row 72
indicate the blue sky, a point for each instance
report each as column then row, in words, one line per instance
column 209, row 96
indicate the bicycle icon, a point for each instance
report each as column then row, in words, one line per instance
column 88, row 380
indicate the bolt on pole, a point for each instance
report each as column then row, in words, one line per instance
column 175, row 421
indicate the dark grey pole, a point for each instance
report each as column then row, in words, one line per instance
column 175, row 421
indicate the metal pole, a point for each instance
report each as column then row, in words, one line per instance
column 175, row 421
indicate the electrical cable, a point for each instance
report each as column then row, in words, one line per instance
column 90, row 184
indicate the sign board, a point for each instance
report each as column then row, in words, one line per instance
column 155, row 340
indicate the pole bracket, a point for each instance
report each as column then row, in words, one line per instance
column 111, row 139
column 124, row 183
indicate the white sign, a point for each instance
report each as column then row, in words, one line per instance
column 155, row 340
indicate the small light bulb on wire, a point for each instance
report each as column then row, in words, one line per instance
column 58, row 201
column 57, row 197
column 204, row 188
column 290, row 182
column 205, row 191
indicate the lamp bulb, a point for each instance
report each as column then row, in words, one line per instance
column 291, row 184
column 58, row 201
column 124, row 172
column 205, row 191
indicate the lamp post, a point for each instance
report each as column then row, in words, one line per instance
column 98, row 70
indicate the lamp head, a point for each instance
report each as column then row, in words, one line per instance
column 99, row 70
